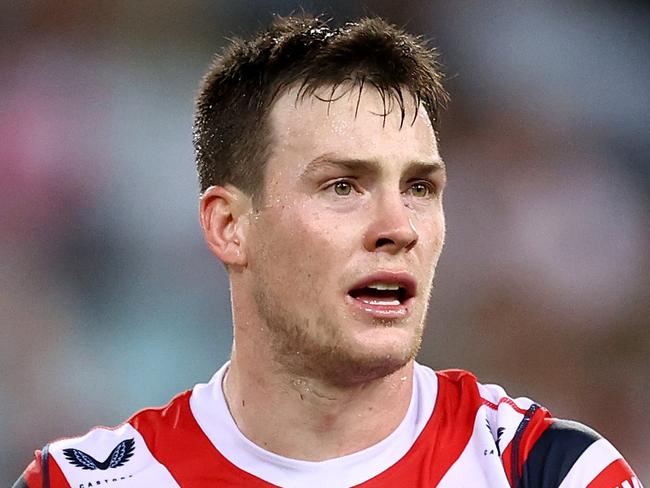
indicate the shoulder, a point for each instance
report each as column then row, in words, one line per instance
column 569, row 454
column 537, row 449
column 115, row 453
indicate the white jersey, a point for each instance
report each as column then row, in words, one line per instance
column 456, row 433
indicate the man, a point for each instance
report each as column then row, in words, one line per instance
column 322, row 191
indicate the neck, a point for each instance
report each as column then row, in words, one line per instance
column 311, row 419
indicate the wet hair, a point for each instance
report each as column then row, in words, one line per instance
column 232, row 139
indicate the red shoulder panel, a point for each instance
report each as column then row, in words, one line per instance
column 176, row 440
column 443, row 439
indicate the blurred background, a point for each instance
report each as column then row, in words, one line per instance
column 110, row 302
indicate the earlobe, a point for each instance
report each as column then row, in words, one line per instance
column 222, row 213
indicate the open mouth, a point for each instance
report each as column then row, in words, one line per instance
column 384, row 294
column 380, row 294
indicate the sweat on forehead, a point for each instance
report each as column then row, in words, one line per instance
column 347, row 128
column 396, row 99
column 344, row 100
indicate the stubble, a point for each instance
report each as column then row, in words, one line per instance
column 318, row 348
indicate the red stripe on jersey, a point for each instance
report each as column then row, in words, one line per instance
column 613, row 475
column 57, row 479
column 176, row 440
column 507, row 401
column 33, row 475
column 443, row 439
column 538, row 423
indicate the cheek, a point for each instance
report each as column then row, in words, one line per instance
column 431, row 231
column 441, row 233
column 321, row 240
column 295, row 246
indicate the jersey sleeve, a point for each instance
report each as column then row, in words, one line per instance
column 42, row 472
column 540, row 451
column 567, row 454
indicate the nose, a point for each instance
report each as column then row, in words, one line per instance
column 391, row 228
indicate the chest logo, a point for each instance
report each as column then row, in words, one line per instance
column 119, row 456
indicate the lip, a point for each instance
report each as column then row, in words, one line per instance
column 382, row 311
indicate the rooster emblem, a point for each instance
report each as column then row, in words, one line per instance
column 118, row 457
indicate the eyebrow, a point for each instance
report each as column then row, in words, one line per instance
column 329, row 160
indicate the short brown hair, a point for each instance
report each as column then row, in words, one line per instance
column 231, row 137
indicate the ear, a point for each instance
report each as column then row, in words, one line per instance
column 223, row 212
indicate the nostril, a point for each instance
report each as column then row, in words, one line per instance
column 384, row 241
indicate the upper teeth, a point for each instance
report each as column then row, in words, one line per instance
column 384, row 286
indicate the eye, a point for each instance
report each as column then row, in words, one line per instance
column 342, row 188
column 421, row 189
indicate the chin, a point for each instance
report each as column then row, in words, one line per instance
column 371, row 367
column 354, row 361
column 370, row 360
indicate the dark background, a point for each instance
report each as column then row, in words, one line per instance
column 109, row 300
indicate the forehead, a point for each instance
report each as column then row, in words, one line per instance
column 350, row 123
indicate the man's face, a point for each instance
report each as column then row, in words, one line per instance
column 343, row 248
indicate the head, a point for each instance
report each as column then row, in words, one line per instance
column 322, row 191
